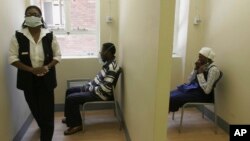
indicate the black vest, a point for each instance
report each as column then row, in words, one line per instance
column 24, row 78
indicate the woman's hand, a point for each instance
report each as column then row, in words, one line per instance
column 197, row 65
column 202, row 68
column 40, row 71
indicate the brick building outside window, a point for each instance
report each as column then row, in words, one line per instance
column 75, row 24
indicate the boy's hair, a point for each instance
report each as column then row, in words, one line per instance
column 110, row 47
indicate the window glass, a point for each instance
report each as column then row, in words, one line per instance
column 78, row 45
column 75, row 24
column 84, row 17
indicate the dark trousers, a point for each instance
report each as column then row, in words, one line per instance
column 41, row 103
column 74, row 98
column 178, row 98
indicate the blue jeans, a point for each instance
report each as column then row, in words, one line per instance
column 76, row 96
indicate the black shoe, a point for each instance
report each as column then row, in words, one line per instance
column 64, row 120
column 73, row 130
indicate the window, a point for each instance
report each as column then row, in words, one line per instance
column 181, row 27
column 75, row 23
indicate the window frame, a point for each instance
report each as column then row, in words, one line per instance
column 68, row 30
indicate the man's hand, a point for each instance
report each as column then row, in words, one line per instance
column 197, row 65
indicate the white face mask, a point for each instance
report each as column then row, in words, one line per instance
column 33, row 21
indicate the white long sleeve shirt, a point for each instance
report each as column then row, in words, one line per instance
column 36, row 49
column 212, row 76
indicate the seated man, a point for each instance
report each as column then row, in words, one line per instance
column 200, row 83
column 100, row 88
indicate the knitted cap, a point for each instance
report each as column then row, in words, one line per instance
column 207, row 52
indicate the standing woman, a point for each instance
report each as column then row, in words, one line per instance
column 34, row 51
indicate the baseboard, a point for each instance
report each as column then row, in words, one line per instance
column 23, row 129
column 221, row 122
column 126, row 132
column 124, row 126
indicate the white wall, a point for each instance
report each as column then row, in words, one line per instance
column 225, row 28
column 176, row 71
column 145, row 38
column 109, row 31
column 14, row 110
column 195, row 35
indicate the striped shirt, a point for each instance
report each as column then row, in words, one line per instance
column 103, row 82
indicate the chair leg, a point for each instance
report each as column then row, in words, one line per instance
column 83, row 119
column 182, row 113
column 203, row 111
column 118, row 116
column 120, row 123
column 115, row 114
column 215, row 120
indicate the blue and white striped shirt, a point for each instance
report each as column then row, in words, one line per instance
column 103, row 82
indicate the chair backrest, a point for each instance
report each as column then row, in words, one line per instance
column 215, row 83
column 115, row 82
column 105, row 104
column 117, row 76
